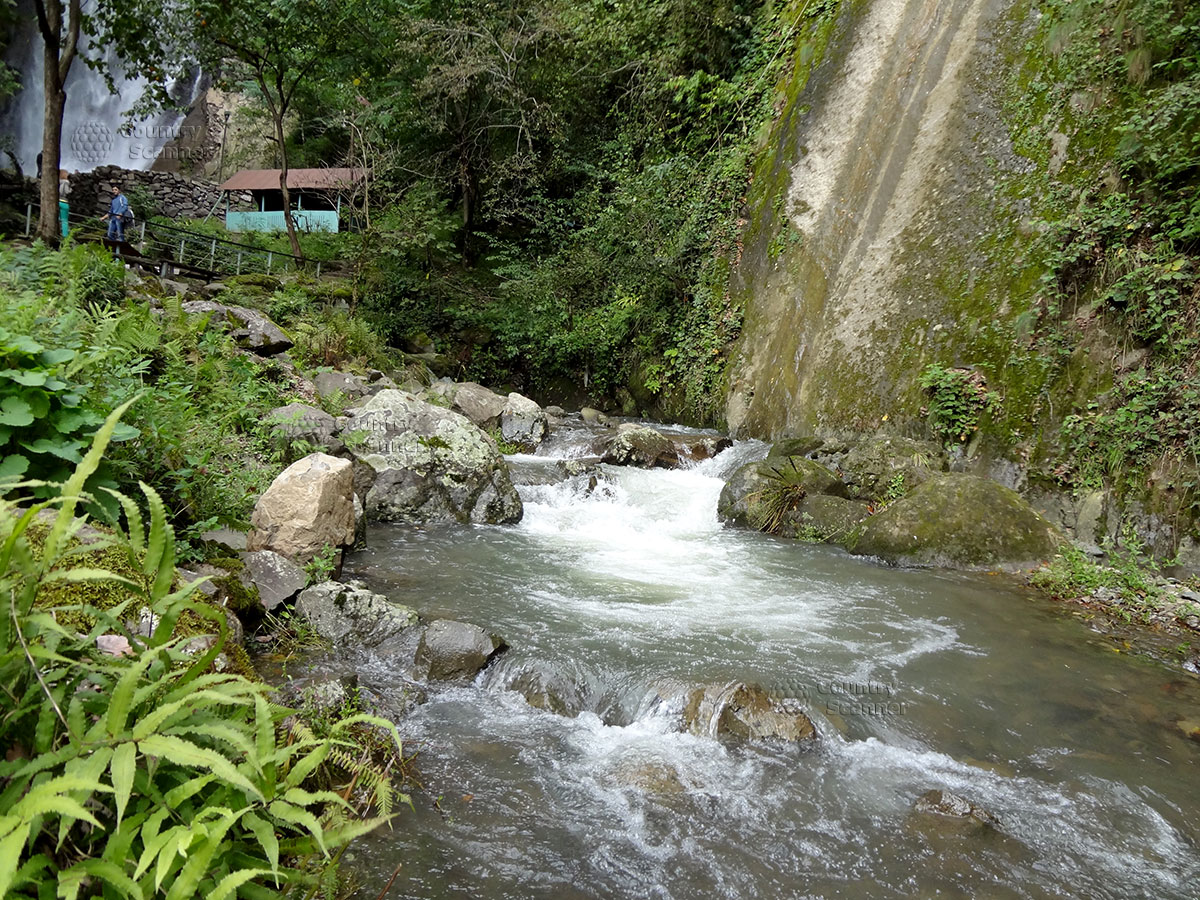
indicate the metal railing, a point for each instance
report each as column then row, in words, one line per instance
column 177, row 251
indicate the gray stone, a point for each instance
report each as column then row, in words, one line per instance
column 522, row 421
column 349, row 386
column 430, row 464
column 594, row 416
column 456, row 651
column 557, row 411
column 477, row 403
column 277, row 578
column 875, row 466
column 228, row 538
column 824, row 518
column 642, row 446
column 301, row 422
column 250, row 329
column 352, row 617
column 959, row 521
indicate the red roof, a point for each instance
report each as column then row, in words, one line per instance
column 314, row 179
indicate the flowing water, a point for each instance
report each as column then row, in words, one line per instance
column 617, row 599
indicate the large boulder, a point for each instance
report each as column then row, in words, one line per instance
column 430, row 464
column 885, row 467
column 250, row 329
column 352, row 617
column 764, row 494
column 959, row 521
column 522, row 421
column 745, row 711
column 301, row 422
column 822, row 518
column 309, row 507
column 477, row 403
column 456, row 651
column 640, row 445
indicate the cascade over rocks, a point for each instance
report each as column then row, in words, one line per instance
column 430, row 464
column 250, row 329
column 308, row 507
column 745, row 711
column 959, row 521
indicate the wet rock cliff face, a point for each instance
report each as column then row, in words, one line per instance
column 876, row 222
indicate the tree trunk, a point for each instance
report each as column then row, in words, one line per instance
column 56, row 100
column 287, row 197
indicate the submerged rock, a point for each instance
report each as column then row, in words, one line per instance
column 745, row 711
column 958, row 521
column 456, row 651
column 350, row 616
column 944, row 803
column 430, row 464
column 307, row 508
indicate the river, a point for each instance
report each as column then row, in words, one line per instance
column 622, row 597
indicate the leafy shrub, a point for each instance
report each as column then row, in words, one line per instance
column 145, row 773
column 957, row 400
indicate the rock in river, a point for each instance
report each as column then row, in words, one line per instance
column 430, row 464
column 959, row 521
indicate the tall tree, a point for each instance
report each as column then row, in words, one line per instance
column 280, row 46
column 137, row 34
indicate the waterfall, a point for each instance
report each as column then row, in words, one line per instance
column 93, row 118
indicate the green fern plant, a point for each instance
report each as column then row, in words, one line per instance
column 146, row 773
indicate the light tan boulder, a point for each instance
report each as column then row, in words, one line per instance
column 308, row 507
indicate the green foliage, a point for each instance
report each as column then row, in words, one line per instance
column 321, row 566
column 1130, row 576
column 145, row 773
column 772, row 506
column 958, row 398
column 1121, row 247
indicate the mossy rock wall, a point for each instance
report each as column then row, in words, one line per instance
column 899, row 218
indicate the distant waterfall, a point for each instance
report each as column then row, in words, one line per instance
column 93, row 117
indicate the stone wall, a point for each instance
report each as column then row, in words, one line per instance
column 173, row 195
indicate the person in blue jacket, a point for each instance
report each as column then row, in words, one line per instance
column 117, row 211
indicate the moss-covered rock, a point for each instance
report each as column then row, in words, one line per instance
column 761, row 493
column 959, row 521
column 881, row 465
column 822, row 518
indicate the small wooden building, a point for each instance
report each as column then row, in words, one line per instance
column 317, row 198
